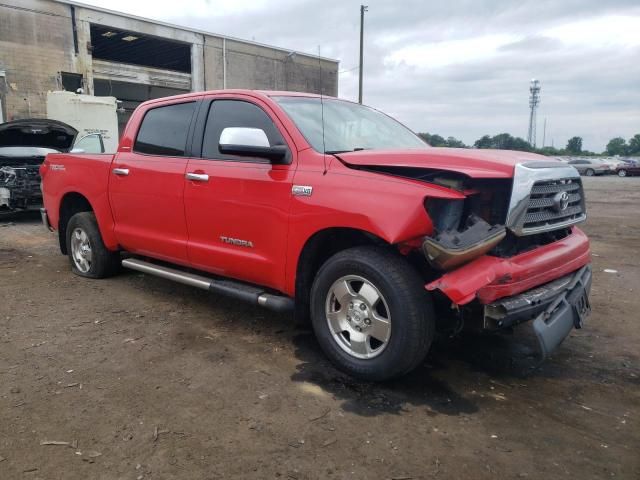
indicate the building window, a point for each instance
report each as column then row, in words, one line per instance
column 71, row 82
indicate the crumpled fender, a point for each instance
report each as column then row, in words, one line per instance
column 489, row 278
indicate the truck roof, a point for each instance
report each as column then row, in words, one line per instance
column 254, row 93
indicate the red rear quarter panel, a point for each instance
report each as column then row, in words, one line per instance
column 87, row 175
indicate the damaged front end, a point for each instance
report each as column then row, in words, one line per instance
column 501, row 225
column 20, row 188
column 23, row 147
column 464, row 230
column 508, row 253
column 527, row 263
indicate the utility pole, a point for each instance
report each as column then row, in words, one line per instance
column 363, row 8
column 544, row 131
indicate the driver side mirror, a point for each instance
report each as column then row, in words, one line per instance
column 251, row 142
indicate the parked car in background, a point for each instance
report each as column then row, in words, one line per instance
column 614, row 163
column 23, row 147
column 591, row 167
column 627, row 168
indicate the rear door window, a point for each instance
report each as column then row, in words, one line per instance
column 164, row 130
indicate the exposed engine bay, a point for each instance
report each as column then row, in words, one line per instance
column 20, row 187
column 24, row 145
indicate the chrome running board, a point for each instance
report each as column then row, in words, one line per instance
column 229, row 288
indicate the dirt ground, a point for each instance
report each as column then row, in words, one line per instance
column 146, row 379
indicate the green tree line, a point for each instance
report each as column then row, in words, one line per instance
column 506, row 141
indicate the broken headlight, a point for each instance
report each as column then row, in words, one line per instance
column 455, row 241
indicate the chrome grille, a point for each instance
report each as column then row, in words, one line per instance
column 535, row 205
column 543, row 211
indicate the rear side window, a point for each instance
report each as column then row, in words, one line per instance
column 235, row 113
column 164, row 130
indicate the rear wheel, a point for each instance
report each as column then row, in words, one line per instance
column 589, row 172
column 622, row 172
column 87, row 253
column 371, row 314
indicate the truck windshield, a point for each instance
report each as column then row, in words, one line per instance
column 347, row 126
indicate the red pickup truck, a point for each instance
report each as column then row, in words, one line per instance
column 336, row 212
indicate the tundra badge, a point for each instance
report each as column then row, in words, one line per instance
column 236, row 241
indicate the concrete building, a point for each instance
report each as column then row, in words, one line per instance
column 58, row 44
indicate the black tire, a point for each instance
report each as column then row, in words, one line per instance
column 622, row 172
column 103, row 262
column 589, row 172
column 410, row 312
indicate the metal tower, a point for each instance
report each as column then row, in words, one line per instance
column 534, row 100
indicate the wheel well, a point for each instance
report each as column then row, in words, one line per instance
column 318, row 249
column 71, row 204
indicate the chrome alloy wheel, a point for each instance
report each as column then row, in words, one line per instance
column 358, row 317
column 81, row 250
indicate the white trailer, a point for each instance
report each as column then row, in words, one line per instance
column 87, row 114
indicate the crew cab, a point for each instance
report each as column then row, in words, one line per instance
column 333, row 211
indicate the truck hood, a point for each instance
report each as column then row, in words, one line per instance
column 36, row 132
column 475, row 163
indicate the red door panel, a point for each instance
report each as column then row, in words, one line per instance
column 147, row 205
column 238, row 219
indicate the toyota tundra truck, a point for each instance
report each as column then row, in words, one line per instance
column 335, row 212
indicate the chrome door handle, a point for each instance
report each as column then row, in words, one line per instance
column 123, row 172
column 197, row 177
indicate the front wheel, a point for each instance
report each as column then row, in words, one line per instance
column 622, row 172
column 371, row 314
column 590, row 172
column 87, row 253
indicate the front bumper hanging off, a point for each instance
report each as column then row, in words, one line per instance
column 554, row 309
column 489, row 278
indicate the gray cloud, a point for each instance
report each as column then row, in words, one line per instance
column 588, row 89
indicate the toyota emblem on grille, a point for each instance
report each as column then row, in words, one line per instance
column 560, row 201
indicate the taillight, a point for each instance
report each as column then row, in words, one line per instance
column 44, row 168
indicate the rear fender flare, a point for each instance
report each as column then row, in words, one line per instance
column 102, row 211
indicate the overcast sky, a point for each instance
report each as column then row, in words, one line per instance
column 456, row 67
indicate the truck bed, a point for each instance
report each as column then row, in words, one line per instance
column 84, row 174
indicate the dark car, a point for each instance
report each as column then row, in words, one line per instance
column 628, row 168
column 23, row 147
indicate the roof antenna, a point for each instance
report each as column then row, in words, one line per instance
column 324, row 147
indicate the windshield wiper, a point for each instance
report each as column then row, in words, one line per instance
column 336, row 152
